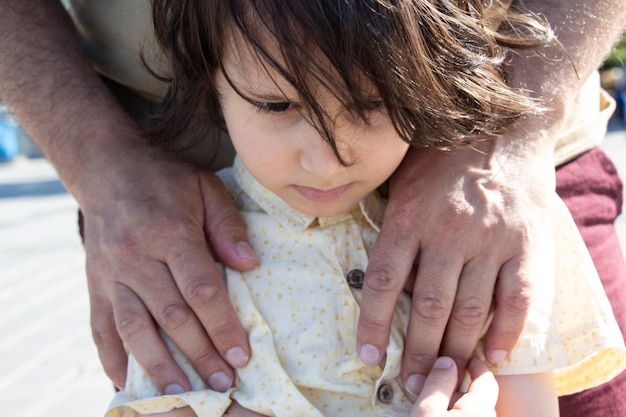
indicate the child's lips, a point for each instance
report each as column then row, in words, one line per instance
column 317, row 195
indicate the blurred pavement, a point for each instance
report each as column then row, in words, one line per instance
column 49, row 365
column 48, row 362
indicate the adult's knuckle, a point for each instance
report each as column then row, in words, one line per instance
column 518, row 301
column 419, row 358
column 431, row 305
column 229, row 220
column 129, row 324
column 469, row 314
column 156, row 369
column 208, row 356
column 376, row 326
column 508, row 333
column 173, row 315
column 374, row 330
column 201, row 292
column 100, row 337
column 382, row 279
column 223, row 330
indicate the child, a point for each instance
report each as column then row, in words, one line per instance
column 322, row 100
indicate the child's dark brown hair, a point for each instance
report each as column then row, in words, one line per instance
column 436, row 65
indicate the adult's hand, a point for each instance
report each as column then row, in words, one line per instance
column 458, row 224
column 146, row 234
column 146, row 217
column 438, row 393
column 468, row 218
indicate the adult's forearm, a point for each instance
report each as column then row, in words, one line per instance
column 54, row 92
column 586, row 31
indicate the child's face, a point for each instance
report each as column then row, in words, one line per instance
column 288, row 156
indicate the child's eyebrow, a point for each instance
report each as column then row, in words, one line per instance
column 260, row 87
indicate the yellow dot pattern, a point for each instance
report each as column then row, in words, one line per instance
column 301, row 317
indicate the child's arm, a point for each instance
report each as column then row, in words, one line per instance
column 532, row 395
column 479, row 400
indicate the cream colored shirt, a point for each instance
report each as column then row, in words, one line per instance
column 301, row 314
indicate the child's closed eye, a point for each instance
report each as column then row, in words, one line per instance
column 273, row 107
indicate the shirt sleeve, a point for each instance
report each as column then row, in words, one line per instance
column 142, row 396
column 570, row 330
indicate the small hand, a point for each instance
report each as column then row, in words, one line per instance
column 438, row 392
column 459, row 227
column 148, row 236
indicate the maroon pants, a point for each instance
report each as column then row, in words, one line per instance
column 593, row 192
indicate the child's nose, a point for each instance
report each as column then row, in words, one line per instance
column 317, row 156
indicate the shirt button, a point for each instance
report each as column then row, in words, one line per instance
column 355, row 278
column 385, row 393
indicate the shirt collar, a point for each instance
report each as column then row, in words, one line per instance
column 371, row 207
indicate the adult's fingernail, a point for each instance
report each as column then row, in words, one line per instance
column 415, row 383
column 174, row 389
column 245, row 251
column 497, row 356
column 219, row 381
column 236, row 357
column 369, row 355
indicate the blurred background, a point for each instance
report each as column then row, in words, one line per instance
column 613, row 77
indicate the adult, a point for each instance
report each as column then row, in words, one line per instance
column 148, row 218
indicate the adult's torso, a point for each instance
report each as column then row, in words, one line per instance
column 116, row 34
